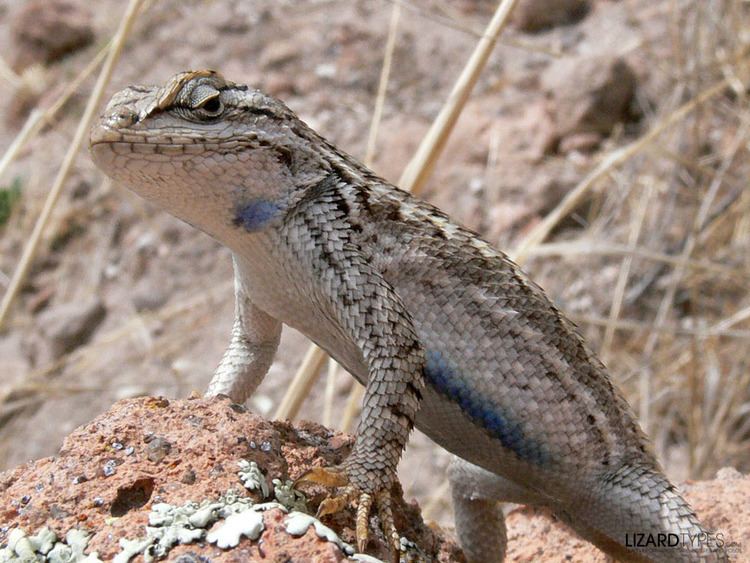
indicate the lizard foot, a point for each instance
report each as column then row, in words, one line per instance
column 337, row 477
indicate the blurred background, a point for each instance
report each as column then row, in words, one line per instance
column 638, row 108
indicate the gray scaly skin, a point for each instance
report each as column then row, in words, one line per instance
column 447, row 333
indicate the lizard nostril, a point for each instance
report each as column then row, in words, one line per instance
column 124, row 118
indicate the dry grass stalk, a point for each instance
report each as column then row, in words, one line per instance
column 635, row 326
column 302, row 383
column 420, row 167
column 691, row 239
column 329, row 393
column 622, row 278
column 352, row 407
column 588, row 246
column 19, row 276
column 668, row 299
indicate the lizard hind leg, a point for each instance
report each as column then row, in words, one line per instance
column 480, row 523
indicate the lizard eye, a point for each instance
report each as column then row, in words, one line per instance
column 205, row 100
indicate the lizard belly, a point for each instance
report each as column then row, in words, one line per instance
column 290, row 302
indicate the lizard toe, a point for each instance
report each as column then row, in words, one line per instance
column 325, row 476
column 349, row 494
column 386, row 522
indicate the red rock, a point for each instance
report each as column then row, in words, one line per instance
column 103, row 480
column 589, row 94
column 538, row 15
column 46, row 30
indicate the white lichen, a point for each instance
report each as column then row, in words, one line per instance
column 45, row 539
column 252, row 478
column 248, row 523
column 131, row 548
column 170, row 525
column 290, row 497
column 45, row 546
column 297, row 523
column 20, row 547
column 205, row 515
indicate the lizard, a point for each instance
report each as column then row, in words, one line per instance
column 447, row 334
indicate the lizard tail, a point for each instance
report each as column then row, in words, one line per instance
column 639, row 515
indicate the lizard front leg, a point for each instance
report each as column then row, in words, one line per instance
column 255, row 338
column 372, row 315
column 379, row 324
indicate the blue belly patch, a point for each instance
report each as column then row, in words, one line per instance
column 445, row 380
column 255, row 214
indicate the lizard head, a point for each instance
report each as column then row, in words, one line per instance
column 216, row 154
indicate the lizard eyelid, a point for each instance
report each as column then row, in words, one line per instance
column 206, row 98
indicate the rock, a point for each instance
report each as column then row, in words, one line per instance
column 102, row 481
column 277, row 54
column 538, row 15
column 41, row 298
column 46, row 30
column 149, row 295
column 589, row 94
column 158, row 449
column 70, row 325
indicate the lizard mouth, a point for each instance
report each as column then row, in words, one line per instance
column 101, row 134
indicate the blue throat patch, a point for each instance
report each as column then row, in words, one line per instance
column 510, row 433
column 255, row 214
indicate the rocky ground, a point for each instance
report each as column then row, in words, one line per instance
column 114, row 472
column 145, row 460
column 124, row 301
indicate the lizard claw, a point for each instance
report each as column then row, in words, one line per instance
column 326, row 476
column 337, row 477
